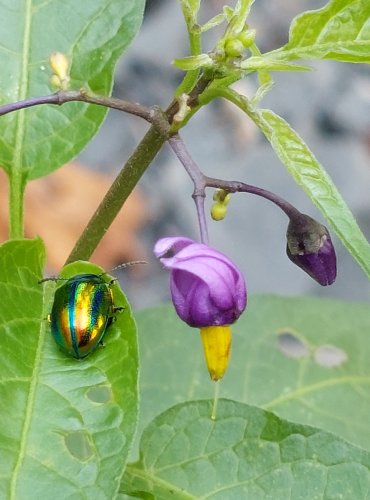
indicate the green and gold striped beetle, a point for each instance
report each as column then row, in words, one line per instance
column 83, row 308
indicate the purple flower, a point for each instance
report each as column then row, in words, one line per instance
column 309, row 246
column 207, row 288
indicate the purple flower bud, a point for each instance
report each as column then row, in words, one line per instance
column 310, row 247
column 207, row 288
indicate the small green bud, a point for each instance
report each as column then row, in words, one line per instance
column 234, row 48
column 247, row 37
column 218, row 211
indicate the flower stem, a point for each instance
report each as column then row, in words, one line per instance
column 216, row 397
column 200, row 182
column 198, row 179
column 242, row 187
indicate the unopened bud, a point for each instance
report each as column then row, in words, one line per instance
column 309, row 246
column 60, row 65
column 247, row 37
column 218, row 211
column 219, row 208
column 234, row 48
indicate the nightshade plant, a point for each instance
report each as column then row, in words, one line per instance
column 299, row 366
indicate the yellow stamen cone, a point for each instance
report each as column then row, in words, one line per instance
column 216, row 346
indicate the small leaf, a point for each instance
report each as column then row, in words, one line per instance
column 264, row 63
column 313, row 179
column 193, row 62
column 296, row 388
column 92, row 35
column 65, row 425
column 212, row 23
column 245, row 453
column 339, row 31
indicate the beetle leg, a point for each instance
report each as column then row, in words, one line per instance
column 118, row 309
column 113, row 319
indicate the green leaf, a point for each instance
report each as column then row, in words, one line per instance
column 245, row 453
column 340, row 31
column 65, row 425
column 268, row 64
column 93, row 35
column 193, row 62
column 313, row 179
column 212, row 23
column 302, row 389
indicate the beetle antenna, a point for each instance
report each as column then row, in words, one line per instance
column 52, row 278
column 125, row 264
column 128, row 264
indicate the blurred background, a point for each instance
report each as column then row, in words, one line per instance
column 329, row 107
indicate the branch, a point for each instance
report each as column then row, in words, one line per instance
column 130, row 175
column 198, row 178
column 201, row 182
column 82, row 95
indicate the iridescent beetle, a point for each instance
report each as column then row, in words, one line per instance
column 82, row 310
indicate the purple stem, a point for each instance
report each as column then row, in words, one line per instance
column 82, row 95
column 201, row 182
column 242, row 187
column 198, row 179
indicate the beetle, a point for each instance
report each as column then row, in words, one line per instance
column 82, row 311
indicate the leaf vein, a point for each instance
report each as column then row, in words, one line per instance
column 315, row 387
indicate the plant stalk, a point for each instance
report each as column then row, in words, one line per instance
column 118, row 194
column 16, row 203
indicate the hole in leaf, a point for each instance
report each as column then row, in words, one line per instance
column 292, row 346
column 99, row 394
column 330, row 356
column 78, row 444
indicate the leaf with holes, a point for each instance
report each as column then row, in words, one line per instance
column 65, row 425
column 245, row 453
column 339, row 31
column 93, row 35
column 310, row 384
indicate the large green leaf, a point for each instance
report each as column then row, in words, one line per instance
column 65, row 425
column 340, row 30
column 336, row 398
column 246, row 453
column 93, row 34
column 313, row 179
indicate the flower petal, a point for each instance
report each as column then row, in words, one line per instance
column 207, row 288
column 174, row 244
